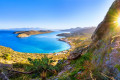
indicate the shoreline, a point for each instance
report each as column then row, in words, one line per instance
column 22, row 57
column 66, row 41
column 60, row 52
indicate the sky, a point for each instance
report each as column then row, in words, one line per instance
column 52, row 14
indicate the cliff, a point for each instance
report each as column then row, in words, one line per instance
column 110, row 23
column 106, row 43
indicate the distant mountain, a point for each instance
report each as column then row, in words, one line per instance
column 81, row 30
column 88, row 30
column 26, row 29
column 78, row 31
column 29, row 29
column 72, row 29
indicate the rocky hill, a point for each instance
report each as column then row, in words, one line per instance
column 106, row 43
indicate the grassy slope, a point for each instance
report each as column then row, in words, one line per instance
column 80, row 68
column 22, row 58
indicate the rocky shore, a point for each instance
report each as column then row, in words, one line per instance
column 65, row 51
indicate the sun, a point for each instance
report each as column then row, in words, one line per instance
column 118, row 21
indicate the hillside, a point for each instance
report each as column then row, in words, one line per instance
column 90, row 58
column 19, row 61
column 99, row 60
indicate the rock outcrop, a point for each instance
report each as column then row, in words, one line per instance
column 77, row 53
column 3, row 76
column 109, row 24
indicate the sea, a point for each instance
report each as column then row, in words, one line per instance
column 41, row 43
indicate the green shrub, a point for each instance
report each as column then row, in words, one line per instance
column 82, row 59
column 117, row 66
column 6, row 56
column 61, row 64
column 42, row 67
column 20, row 65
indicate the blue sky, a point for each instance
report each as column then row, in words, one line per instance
column 52, row 14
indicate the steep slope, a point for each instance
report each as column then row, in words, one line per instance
column 110, row 23
column 106, row 43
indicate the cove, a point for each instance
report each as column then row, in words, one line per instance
column 41, row 43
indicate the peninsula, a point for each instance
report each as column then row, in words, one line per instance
column 22, row 34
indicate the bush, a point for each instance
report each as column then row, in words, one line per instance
column 42, row 67
column 117, row 66
column 82, row 59
column 20, row 65
column 6, row 56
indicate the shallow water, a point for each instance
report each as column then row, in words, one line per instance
column 42, row 43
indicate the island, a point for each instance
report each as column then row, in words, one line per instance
column 22, row 34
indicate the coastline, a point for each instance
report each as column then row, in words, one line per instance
column 64, row 51
column 57, row 53
column 60, row 52
column 21, row 57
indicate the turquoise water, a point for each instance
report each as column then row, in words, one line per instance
column 42, row 43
